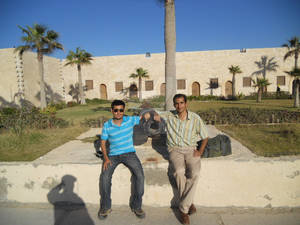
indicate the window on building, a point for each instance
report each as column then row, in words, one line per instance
column 246, row 81
column 89, row 84
column 214, row 83
column 149, row 85
column 180, row 84
column 281, row 80
column 119, row 86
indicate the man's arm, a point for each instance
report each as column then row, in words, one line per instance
column 198, row 153
column 106, row 162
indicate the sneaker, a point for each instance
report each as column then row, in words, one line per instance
column 139, row 213
column 103, row 213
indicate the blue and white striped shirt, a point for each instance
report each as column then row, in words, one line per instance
column 120, row 137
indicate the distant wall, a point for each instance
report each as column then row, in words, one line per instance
column 8, row 77
column 200, row 67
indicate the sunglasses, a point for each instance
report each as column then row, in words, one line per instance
column 118, row 110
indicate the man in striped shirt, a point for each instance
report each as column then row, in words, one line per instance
column 118, row 131
column 184, row 130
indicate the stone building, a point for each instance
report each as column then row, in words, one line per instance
column 108, row 77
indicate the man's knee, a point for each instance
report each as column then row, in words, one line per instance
column 179, row 172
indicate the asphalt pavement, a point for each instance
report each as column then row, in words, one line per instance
column 18, row 214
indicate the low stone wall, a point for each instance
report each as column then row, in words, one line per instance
column 258, row 182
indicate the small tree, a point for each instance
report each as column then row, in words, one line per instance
column 265, row 65
column 234, row 70
column 260, row 83
column 79, row 58
column 44, row 41
column 140, row 73
column 293, row 47
column 296, row 74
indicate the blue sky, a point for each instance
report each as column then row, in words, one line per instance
column 120, row 27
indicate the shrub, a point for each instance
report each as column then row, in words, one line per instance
column 204, row 98
column 96, row 101
column 249, row 116
column 27, row 117
column 71, row 104
column 96, row 122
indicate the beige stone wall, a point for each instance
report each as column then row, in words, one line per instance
column 191, row 66
column 8, row 76
column 198, row 66
column 53, row 81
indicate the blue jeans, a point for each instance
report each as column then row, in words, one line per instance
column 132, row 162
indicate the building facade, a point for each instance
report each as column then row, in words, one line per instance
column 108, row 77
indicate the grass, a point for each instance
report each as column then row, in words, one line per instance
column 268, row 141
column 35, row 143
column 282, row 104
column 262, row 140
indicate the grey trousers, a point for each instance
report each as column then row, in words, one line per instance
column 187, row 168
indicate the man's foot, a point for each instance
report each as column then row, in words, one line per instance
column 184, row 218
column 139, row 213
column 103, row 213
column 192, row 209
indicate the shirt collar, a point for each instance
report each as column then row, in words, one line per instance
column 176, row 114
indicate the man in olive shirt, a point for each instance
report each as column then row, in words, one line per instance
column 184, row 130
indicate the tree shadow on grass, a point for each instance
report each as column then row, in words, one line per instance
column 69, row 208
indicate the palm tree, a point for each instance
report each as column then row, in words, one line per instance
column 261, row 84
column 264, row 66
column 79, row 58
column 43, row 41
column 234, row 70
column 140, row 73
column 296, row 74
column 293, row 47
column 170, row 50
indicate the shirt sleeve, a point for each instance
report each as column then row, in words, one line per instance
column 163, row 114
column 202, row 130
column 104, row 135
column 136, row 120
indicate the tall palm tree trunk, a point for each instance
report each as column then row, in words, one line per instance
column 296, row 97
column 170, row 56
column 140, row 89
column 259, row 93
column 82, row 98
column 233, row 85
column 42, row 80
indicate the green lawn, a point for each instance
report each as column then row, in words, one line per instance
column 35, row 143
column 269, row 141
column 262, row 140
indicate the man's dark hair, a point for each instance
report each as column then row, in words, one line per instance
column 117, row 102
column 179, row 96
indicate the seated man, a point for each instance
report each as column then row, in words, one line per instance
column 118, row 131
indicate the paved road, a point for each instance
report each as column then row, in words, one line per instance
column 87, row 215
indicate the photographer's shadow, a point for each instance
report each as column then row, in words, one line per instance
column 69, row 208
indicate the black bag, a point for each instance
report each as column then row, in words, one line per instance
column 220, row 145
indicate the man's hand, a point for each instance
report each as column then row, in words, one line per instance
column 106, row 163
column 147, row 116
column 197, row 153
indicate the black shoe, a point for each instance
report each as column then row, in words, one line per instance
column 139, row 213
column 103, row 213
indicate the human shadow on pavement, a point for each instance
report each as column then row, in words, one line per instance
column 69, row 208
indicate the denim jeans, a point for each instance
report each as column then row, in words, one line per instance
column 132, row 162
